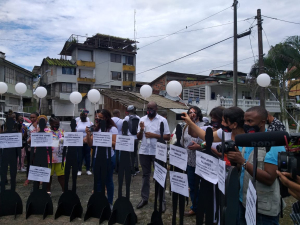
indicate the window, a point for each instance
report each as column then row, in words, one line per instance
column 115, row 75
column 85, row 55
column 115, row 58
column 20, row 78
column 246, row 94
column 128, row 77
column 68, row 70
column 28, row 82
column 84, row 88
column 66, row 87
column 115, row 87
column 14, row 101
column 10, row 76
column 128, row 60
column 81, row 105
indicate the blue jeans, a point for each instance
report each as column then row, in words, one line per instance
column 191, row 180
column 260, row 218
column 86, row 155
column 109, row 183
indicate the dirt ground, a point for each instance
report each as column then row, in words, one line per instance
column 84, row 190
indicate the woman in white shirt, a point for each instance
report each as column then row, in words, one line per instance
column 86, row 150
column 111, row 128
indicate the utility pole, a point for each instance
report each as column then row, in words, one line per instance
column 260, row 57
column 235, row 2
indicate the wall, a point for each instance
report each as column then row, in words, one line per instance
column 64, row 108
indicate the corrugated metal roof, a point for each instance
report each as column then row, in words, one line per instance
column 132, row 98
column 59, row 62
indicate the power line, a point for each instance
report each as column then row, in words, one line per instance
column 224, row 24
column 281, row 20
column 185, row 55
column 184, row 28
column 222, row 65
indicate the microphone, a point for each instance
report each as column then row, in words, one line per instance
column 262, row 139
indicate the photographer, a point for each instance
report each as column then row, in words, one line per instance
column 267, row 186
column 191, row 144
column 293, row 186
column 232, row 125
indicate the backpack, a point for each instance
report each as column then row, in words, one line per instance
column 133, row 123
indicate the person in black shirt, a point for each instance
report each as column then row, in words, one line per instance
column 274, row 123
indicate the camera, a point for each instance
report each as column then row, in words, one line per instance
column 289, row 162
column 228, row 146
column 91, row 128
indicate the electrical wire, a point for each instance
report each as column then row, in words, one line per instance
column 222, row 65
column 281, row 20
column 186, row 55
column 184, row 28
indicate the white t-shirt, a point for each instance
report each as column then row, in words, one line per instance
column 152, row 126
column 82, row 125
column 78, row 119
column 128, row 133
column 112, row 130
column 119, row 123
column 227, row 135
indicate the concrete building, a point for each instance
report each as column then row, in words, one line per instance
column 11, row 74
column 100, row 62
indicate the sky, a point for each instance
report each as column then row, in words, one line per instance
column 31, row 30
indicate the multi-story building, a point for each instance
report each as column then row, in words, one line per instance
column 100, row 62
column 12, row 74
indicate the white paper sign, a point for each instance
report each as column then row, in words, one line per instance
column 222, row 175
column 160, row 174
column 161, row 152
column 251, row 205
column 207, row 167
column 11, row 140
column 102, row 139
column 125, row 143
column 41, row 174
column 179, row 183
column 73, row 139
column 178, row 157
column 41, row 139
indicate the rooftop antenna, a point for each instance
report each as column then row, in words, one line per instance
column 134, row 32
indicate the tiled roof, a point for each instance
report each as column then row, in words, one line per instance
column 132, row 98
column 59, row 62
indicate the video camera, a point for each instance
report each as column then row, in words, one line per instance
column 289, row 161
column 229, row 146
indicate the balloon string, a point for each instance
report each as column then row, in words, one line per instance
column 40, row 106
column 183, row 101
column 74, row 112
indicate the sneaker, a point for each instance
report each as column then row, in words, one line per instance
column 23, row 169
column 79, row 173
column 88, row 172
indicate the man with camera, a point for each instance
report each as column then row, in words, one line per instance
column 267, row 186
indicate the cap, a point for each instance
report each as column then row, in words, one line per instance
column 130, row 108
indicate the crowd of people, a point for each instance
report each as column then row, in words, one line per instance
column 146, row 131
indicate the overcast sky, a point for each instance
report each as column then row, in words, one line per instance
column 31, row 30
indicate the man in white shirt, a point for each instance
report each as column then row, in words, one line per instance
column 116, row 118
column 149, row 132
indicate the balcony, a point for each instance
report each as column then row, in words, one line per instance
column 129, row 83
column 89, row 80
column 85, row 63
column 128, row 68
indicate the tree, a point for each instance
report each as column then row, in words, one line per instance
column 282, row 63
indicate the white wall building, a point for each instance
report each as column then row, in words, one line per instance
column 100, row 62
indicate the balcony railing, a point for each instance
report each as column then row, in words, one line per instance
column 90, row 80
column 247, row 103
column 85, row 63
column 128, row 68
column 129, row 83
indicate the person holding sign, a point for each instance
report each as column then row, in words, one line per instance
column 57, row 150
column 111, row 127
column 191, row 144
column 149, row 132
column 86, row 150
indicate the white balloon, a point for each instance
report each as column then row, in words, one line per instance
column 146, row 91
column 94, row 95
column 174, row 88
column 3, row 88
column 75, row 97
column 21, row 88
column 263, row 80
column 41, row 92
